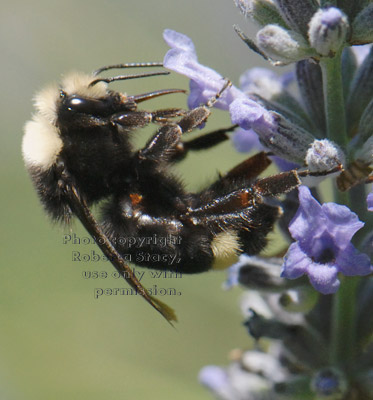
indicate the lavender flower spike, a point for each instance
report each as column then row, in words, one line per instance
column 323, row 246
column 205, row 82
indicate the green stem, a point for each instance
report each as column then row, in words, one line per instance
column 334, row 100
column 343, row 336
column 343, row 324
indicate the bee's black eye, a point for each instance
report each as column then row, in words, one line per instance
column 78, row 104
column 83, row 105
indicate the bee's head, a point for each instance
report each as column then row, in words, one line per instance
column 81, row 108
column 84, row 100
column 80, row 102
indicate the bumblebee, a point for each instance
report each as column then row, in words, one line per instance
column 77, row 149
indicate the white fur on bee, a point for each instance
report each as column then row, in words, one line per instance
column 225, row 244
column 41, row 143
column 78, row 83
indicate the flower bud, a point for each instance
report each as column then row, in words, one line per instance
column 328, row 30
column 283, row 45
column 324, row 155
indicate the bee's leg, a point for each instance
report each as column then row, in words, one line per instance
column 81, row 210
column 131, row 119
column 244, row 197
column 163, row 146
column 166, row 143
column 165, row 116
column 139, row 119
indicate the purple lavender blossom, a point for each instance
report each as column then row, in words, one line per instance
column 247, row 113
column 205, row 82
column 276, row 133
column 370, row 201
column 245, row 140
column 267, row 84
column 323, row 246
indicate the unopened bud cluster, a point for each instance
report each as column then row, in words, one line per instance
column 295, row 30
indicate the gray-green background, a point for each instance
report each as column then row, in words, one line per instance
column 57, row 341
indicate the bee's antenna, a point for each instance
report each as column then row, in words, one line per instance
column 124, row 77
column 128, row 65
column 151, row 95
